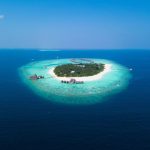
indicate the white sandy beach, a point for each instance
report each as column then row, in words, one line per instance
column 84, row 79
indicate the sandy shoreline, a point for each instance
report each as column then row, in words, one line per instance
column 89, row 78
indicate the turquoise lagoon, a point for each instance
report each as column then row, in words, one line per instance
column 90, row 92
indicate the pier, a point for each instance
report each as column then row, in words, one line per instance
column 36, row 77
column 72, row 81
column 81, row 60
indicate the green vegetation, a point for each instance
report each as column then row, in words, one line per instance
column 78, row 70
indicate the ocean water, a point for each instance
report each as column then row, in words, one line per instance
column 28, row 122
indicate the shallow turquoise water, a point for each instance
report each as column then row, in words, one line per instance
column 88, row 93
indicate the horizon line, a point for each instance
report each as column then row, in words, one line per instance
column 59, row 49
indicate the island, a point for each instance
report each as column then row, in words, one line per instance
column 75, row 81
column 79, row 73
column 79, row 70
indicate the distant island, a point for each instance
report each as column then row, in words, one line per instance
column 79, row 70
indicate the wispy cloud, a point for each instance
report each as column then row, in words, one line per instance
column 2, row 17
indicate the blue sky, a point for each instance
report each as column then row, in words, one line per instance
column 75, row 24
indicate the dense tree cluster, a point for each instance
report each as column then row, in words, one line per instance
column 78, row 70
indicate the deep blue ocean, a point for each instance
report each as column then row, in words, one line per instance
column 28, row 122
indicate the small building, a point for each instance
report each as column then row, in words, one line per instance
column 72, row 71
column 35, row 77
column 72, row 81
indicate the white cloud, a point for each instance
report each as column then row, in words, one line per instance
column 2, row 17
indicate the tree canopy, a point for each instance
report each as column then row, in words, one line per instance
column 78, row 70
